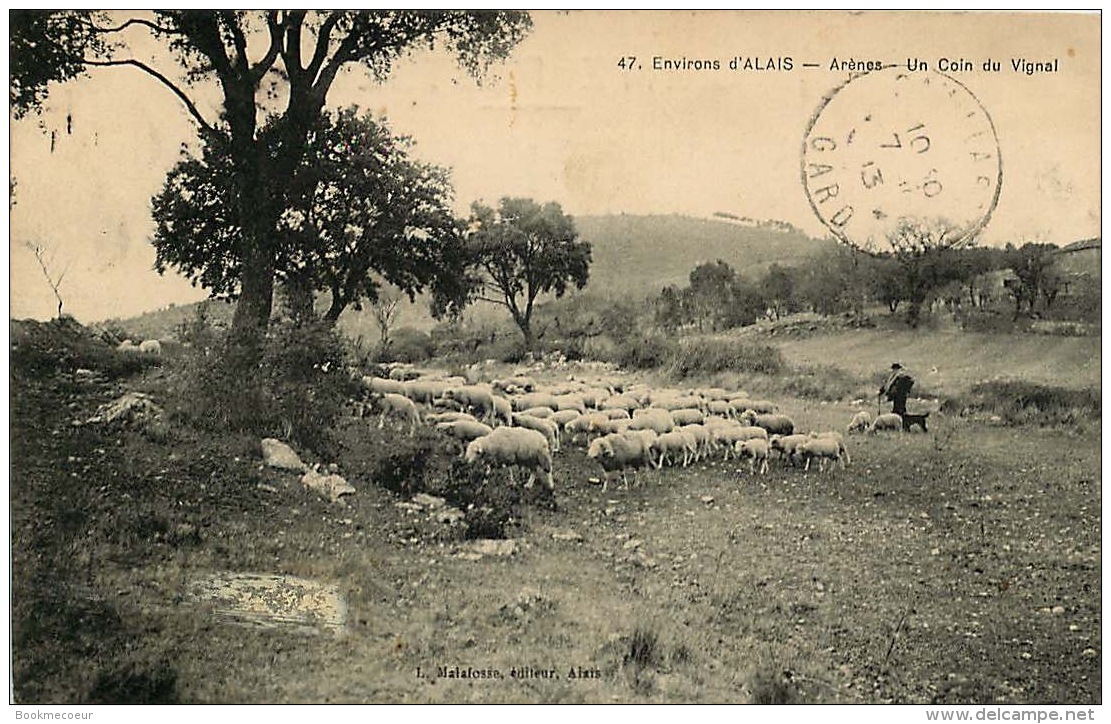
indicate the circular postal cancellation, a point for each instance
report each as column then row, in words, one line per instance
column 893, row 146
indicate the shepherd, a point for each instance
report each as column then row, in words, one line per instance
column 897, row 389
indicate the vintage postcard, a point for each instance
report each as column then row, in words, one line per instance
column 556, row 357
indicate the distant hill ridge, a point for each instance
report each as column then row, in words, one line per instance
column 642, row 254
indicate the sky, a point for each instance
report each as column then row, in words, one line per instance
column 562, row 121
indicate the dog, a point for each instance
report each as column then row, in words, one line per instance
column 910, row 421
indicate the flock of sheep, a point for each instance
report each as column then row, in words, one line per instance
column 517, row 423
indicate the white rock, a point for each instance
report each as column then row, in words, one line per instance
column 331, row 486
column 277, row 454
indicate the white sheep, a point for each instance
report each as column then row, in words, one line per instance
column 623, row 402
column 544, row 412
column 786, row 445
column 824, row 448
column 720, row 407
column 652, row 418
column 436, row 418
column 860, row 422
column 774, row 424
column 128, row 347
column 475, row 399
column 503, row 410
column 702, row 438
column 570, row 402
column 563, row 417
column 423, row 390
column 728, row 436
column 687, row 416
column 150, row 346
column 393, row 404
column 617, row 452
column 547, row 428
column 382, row 386
column 676, row 441
column 534, row 399
column 887, row 421
column 617, row 413
column 514, row 446
column 754, row 449
column 464, row 430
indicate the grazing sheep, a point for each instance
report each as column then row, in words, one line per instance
column 623, row 402
column 580, row 427
column 544, row 412
column 546, row 427
column 677, row 402
column 534, row 399
column 728, row 436
column 887, row 421
column 451, row 416
column 676, row 441
column 150, row 346
column 503, row 410
column 570, row 402
column 593, row 397
column 423, row 390
column 860, row 422
column 774, row 424
column 824, row 448
column 702, row 438
column 465, row 430
column 754, row 449
column 654, row 419
column 514, row 385
column 617, row 452
column 382, row 386
column 393, row 404
column 617, row 413
column 786, row 445
column 563, row 417
column 687, row 416
column 514, row 446
column 474, row 399
column 128, row 347
column 720, row 407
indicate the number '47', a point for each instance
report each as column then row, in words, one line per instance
column 627, row 62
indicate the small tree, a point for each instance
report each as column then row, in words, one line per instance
column 385, row 309
column 926, row 254
column 1033, row 265
column 521, row 250
column 55, row 282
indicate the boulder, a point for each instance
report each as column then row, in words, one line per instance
column 132, row 409
column 277, row 454
column 331, row 486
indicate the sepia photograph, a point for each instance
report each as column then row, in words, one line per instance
column 556, row 357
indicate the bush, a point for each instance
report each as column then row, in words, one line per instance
column 407, row 345
column 296, row 393
column 647, row 352
column 63, row 346
column 1028, row 403
column 707, row 356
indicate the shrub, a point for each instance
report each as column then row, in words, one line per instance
column 1027, row 403
column 296, row 392
column 63, row 346
column 647, row 352
column 709, row 355
column 407, row 345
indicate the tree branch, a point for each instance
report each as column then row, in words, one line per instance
column 242, row 64
column 322, row 42
column 268, row 60
column 206, row 127
column 133, row 21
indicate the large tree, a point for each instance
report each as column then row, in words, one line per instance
column 521, row 250
column 360, row 210
column 272, row 71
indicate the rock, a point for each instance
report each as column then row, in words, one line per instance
column 411, row 507
column 429, row 501
column 450, row 516
column 632, row 544
column 1089, row 653
column 707, row 499
column 567, row 535
column 330, row 486
column 492, row 547
column 277, row 454
column 132, row 409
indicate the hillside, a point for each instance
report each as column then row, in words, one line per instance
column 644, row 253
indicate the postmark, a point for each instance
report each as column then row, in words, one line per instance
column 894, row 145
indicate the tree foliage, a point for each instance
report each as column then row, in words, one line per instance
column 360, row 211
column 1036, row 276
column 272, row 71
column 521, row 250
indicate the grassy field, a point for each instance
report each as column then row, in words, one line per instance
column 961, row 566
